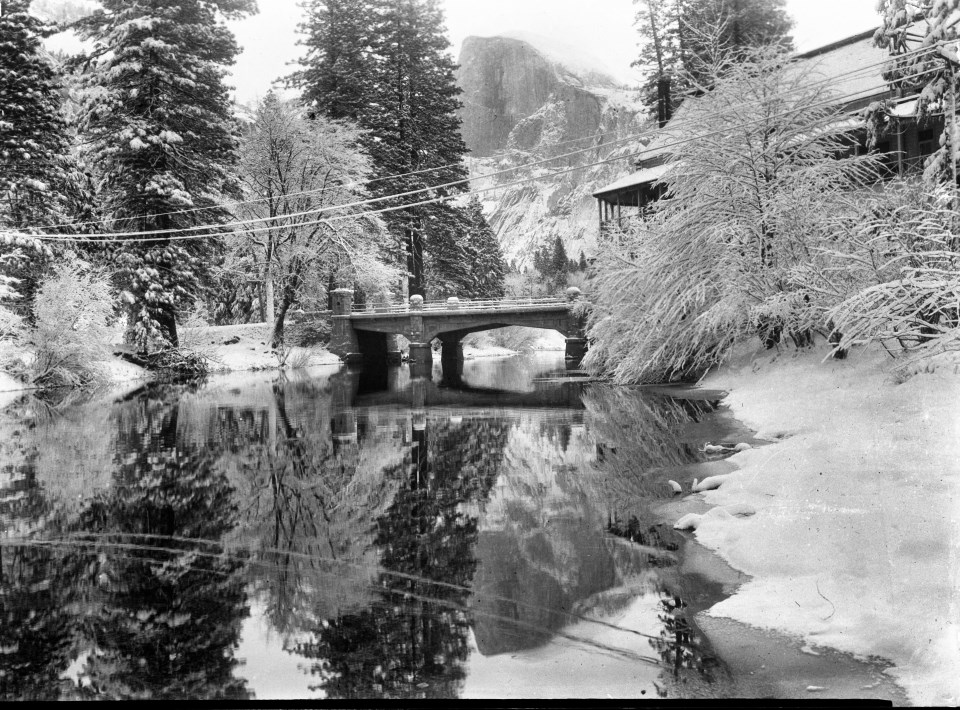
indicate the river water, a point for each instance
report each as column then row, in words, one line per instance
column 491, row 533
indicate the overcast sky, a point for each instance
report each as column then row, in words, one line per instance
column 599, row 28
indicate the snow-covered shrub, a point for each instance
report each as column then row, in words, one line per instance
column 896, row 279
column 71, row 335
column 755, row 187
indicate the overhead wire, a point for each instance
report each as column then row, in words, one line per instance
column 240, row 223
column 177, row 235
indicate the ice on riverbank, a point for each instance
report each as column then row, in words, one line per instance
column 854, row 544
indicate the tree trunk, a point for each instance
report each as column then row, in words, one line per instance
column 167, row 320
column 269, row 313
column 415, row 263
column 276, row 337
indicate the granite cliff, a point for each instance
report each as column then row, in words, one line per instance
column 524, row 100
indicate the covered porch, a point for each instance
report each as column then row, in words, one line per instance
column 629, row 197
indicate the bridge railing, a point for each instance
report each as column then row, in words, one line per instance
column 463, row 305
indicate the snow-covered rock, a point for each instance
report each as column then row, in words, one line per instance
column 526, row 100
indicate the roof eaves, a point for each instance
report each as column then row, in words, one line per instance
column 853, row 39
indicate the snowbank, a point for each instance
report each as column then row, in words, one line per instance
column 854, row 540
column 246, row 347
column 229, row 348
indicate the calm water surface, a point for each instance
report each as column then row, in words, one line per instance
column 349, row 535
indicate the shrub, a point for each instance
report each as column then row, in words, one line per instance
column 896, row 279
column 71, row 336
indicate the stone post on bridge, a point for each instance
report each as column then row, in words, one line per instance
column 343, row 338
column 421, row 356
column 576, row 346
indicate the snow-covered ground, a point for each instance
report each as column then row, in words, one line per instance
column 855, row 540
column 232, row 348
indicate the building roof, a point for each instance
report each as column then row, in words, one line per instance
column 833, row 65
column 641, row 177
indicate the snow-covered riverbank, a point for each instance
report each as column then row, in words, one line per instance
column 855, row 542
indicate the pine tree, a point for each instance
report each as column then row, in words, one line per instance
column 558, row 261
column 488, row 265
column 157, row 118
column 679, row 38
column 33, row 144
column 338, row 74
column 33, row 139
column 408, row 105
column 582, row 264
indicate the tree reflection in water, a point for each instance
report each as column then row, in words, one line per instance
column 413, row 642
column 164, row 603
column 37, row 627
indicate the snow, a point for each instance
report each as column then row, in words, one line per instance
column 544, row 671
column 854, row 544
column 637, row 178
column 836, row 65
column 582, row 64
column 251, row 351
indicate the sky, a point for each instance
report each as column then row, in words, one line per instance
column 599, row 28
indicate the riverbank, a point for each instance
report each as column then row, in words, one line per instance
column 245, row 348
column 854, row 543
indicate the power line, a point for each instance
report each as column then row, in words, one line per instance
column 359, row 203
column 184, row 237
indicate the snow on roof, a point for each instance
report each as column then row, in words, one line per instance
column 905, row 109
column 836, row 63
column 640, row 177
column 832, row 64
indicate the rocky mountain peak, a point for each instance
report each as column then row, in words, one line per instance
column 506, row 80
column 527, row 99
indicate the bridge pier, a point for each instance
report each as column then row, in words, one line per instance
column 393, row 350
column 421, row 360
column 575, row 349
column 343, row 338
column 451, row 346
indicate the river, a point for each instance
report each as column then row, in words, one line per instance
column 337, row 534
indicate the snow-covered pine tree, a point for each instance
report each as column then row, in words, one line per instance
column 464, row 258
column 158, row 122
column 33, row 137
column 909, row 25
column 677, row 36
column 409, row 108
column 33, row 144
column 489, row 266
column 338, row 68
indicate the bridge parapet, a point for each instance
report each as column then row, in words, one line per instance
column 418, row 304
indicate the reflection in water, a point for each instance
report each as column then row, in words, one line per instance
column 388, row 528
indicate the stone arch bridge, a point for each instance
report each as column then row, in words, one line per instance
column 368, row 332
